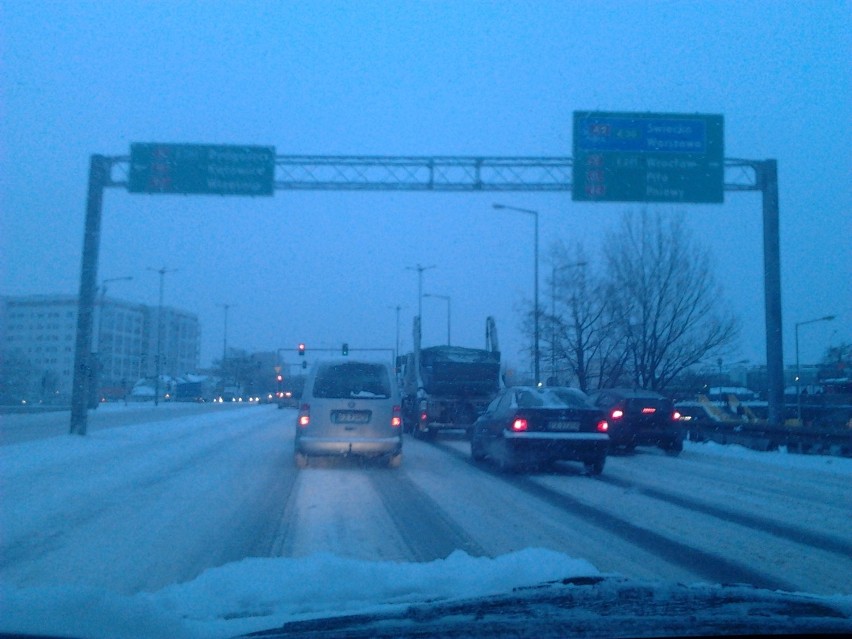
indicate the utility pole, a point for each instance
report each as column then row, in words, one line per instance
column 157, row 363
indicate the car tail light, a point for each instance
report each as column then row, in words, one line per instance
column 676, row 416
column 520, row 424
column 603, row 426
column 304, row 415
column 648, row 410
column 617, row 413
column 396, row 419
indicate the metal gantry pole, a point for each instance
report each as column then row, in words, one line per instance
column 99, row 177
column 767, row 177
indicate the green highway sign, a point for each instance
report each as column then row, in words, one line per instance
column 201, row 169
column 648, row 157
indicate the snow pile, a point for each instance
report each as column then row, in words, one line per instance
column 256, row 594
column 777, row 458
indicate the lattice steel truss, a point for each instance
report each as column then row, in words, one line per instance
column 438, row 173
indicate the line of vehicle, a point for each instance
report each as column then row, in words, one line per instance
column 756, row 522
column 422, row 524
column 709, row 566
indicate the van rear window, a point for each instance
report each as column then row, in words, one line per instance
column 352, row 380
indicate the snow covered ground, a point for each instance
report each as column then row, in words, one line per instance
column 194, row 522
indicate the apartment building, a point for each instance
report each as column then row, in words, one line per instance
column 38, row 336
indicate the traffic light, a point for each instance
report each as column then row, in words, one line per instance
column 301, row 349
column 279, row 378
column 304, row 364
column 345, row 349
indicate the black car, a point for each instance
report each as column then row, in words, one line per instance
column 525, row 425
column 640, row 418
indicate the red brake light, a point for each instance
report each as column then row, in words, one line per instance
column 617, row 413
column 648, row 411
column 519, row 424
column 603, row 426
column 396, row 419
column 304, row 415
column 676, row 416
column 423, row 416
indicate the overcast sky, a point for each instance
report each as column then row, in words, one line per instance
column 411, row 78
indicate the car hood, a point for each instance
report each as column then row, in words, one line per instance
column 596, row 607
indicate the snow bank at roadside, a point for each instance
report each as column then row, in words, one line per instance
column 255, row 594
column 778, row 458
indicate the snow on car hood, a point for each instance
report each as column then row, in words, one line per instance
column 260, row 593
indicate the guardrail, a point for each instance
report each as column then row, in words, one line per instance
column 796, row 439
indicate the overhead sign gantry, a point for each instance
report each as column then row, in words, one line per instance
column 643, row 158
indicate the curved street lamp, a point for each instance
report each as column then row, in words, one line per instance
column 536, row 353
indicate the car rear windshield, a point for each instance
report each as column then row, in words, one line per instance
column 547, row 398
column 352, row 380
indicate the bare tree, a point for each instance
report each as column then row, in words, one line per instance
column 581, row 335
column 662, row 298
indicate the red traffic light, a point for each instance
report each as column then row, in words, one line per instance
column 301, row 349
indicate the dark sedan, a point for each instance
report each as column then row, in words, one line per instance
column 640, row 418
column 525, row 425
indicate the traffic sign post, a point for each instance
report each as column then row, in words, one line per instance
column 201, row 169
column 647, row 157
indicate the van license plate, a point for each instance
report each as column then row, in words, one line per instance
column 351, row 416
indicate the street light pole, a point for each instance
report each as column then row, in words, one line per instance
column 419, row 270
column 826, row 318
column 553, row 312
column 162, row 271
column 536, row 353
column 397, row 308
column 447, row 298
column 99, row 360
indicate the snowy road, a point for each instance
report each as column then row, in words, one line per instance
column 145, row 504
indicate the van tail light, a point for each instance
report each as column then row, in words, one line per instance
column 617, row 413
column 519, row 425
column 603, row 426
column 304, row 415
column 396, row 418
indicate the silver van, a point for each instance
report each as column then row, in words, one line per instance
column 350, row 407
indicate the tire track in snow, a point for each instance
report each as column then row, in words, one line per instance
column 709, row 566
column 427, row 531
column 755, row 522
